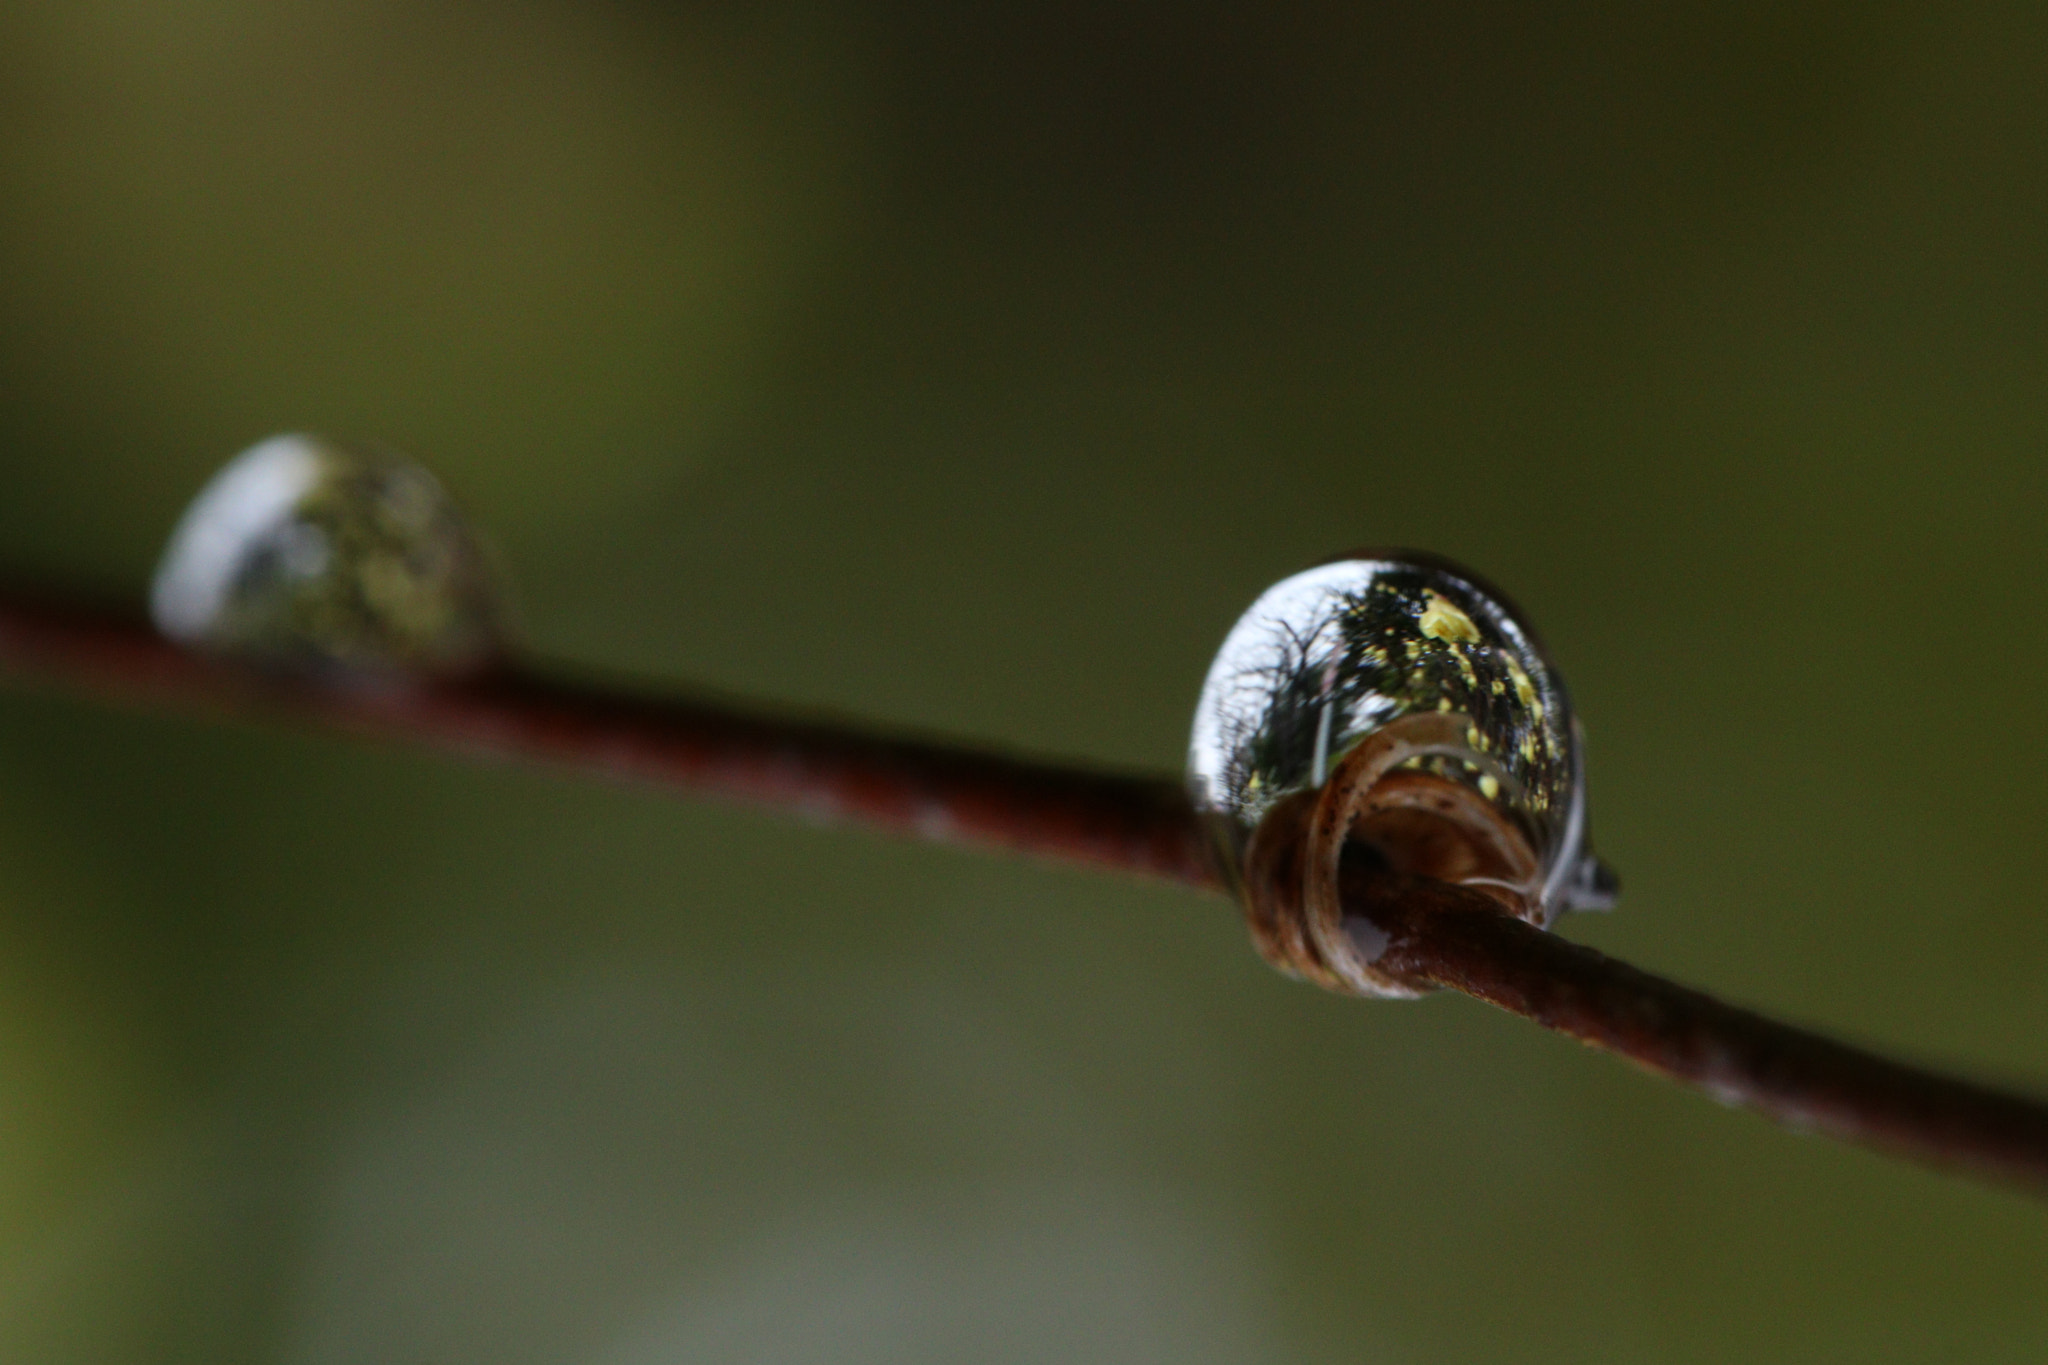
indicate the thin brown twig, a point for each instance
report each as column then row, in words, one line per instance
column 1437, row 935
column 822, row 768
column 1448, row 936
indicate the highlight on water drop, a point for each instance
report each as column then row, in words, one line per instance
column 307, row 553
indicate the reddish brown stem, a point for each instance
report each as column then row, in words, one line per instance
column 818, row 767
column 1436, row 934
column 1447, row 936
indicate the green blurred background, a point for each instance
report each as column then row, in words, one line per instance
column 970, row 368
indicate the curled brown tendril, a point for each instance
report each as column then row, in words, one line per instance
column 1418, row 823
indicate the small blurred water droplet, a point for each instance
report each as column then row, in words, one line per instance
column 306, row 553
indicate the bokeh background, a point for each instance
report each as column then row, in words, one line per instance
column 970, row 368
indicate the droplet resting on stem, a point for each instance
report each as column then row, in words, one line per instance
column 1395, row 699
column 1417, row 930
column 304, row 554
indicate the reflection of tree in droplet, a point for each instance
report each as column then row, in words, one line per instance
column 1329, row 658
column 305, row 553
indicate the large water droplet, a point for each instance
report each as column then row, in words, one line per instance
column 310, row 554
column 1409, row 675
